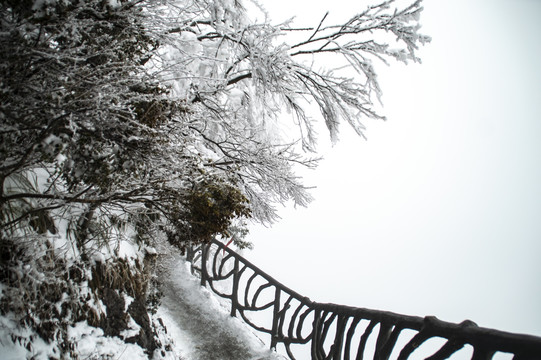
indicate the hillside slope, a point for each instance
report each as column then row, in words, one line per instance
column 190, row 324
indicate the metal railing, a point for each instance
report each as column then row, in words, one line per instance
column 342, row 332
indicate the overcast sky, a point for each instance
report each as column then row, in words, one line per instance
column 438, row 213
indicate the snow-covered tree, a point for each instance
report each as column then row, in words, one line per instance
column 238, row 76
column 121, row 120
column 118, row 101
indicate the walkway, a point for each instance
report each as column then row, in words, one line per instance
column 201, row 327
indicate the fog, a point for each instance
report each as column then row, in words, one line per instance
column 438, row 211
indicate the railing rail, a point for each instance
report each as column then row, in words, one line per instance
column 337, row 331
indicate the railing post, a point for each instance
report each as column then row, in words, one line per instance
column 275, row 319
column 204, row 255
column 314, row 343
column 339, row 337
column 190, row 253
column 235, row 289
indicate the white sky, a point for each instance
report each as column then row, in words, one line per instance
column 438, row 212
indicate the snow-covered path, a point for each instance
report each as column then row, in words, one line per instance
column 201, row 327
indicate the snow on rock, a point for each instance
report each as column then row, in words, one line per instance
column 132, row 330
column 91, row 342
column 14, row 344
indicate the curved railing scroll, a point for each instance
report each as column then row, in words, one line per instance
column 342, row 332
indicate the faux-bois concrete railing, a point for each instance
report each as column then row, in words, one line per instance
column 342, row 332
